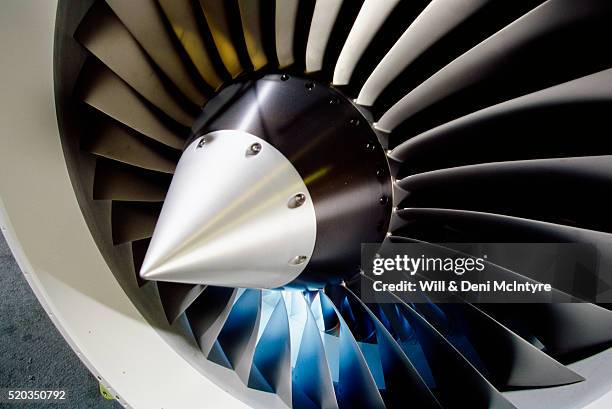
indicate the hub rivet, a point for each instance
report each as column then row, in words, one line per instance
column 297, row 200
column 309, row 86
column 354, row 122
column 383, row 200
column 334, row 101
column 297, row 260
column 380, row 173
column 284, row 77
column 255, row 148
column 202, row 142
column 370, row 146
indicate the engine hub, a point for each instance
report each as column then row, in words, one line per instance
column 342, row 172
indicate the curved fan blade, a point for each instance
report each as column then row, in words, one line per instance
column 105, row 91
column 356, row 386
column 438, row 19
column 145, row 22
column 285, row 18
column 272, row 359
column 208, row 313
column 115, row 181
column 544, row 123
column 452, row 373
column 312, row 383
column 218, row 20
column 133, row 220
column 504, row 358
column 323, row 19
column 568, row 331
column 177, row 297
column 371, row 17
column 238, row 336
column 535, row 189
column 139, row 249
column 185, row 25
column 544, row 47
column 114, row 141
column 103, row 34
column 400, row 376
column 250, row 15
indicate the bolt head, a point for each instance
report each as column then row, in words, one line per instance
column 297, row 200
column 284, row 77
column 202, row 142
column 255, row 148
column 309, row 85
column 297, row 260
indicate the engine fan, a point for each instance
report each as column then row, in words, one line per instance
column 230, row 158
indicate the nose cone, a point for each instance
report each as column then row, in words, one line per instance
column 237, row 214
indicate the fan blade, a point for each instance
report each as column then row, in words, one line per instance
column 273, row 353
column 177, row 297
column 356, row 386
column 323, row 19
column 105, row 91
column 516, row 60
column 437, row 20
column 534, row 189
column 371, row 17
column 145, row 22
column 446, row 225
column 312, row 383
column 114, row 141
column 401, row 377
column 238, row 336
column 114, row 181
column 218, row 20
column 285, row 18
column 185, row 26
column 250, row 15
column 103, row 34
column 452, row 373
column 507, row 360
column 567, row 330
column 555, row 115
column 208, row 313
column 139, row 249
column 133, row 221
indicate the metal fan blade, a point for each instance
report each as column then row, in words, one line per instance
column 139, row 249
column 401, row 377
column 371, row 17
column 114, row 141
column 105, row 91
column 133, row 221
column 567, row 330
column 356, row 385
column 176, row 297
column 208, row 313
column 452, row 373
column 250, row 15
column 523, row 54
column 534, row 189
column 238, row 336
column 145, row 22
column 273, row 353
column 312, row 382
column 507, row 360
column 285, row 18
column 185, row 25
column 115, row 181
column 518, row 117
column 438, row 19
column 323, row 19
column 242, row 212
column 103, row 34
column 218, row 21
